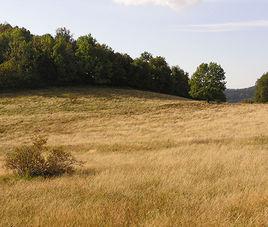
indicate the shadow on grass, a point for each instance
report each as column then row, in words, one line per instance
column 11, row 179
column 94, row 91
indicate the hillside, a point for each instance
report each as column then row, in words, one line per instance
column 151, row 160
column 238, row 95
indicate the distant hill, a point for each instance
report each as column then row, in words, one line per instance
column 238, row 95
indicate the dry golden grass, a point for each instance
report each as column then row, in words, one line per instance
column 151, row 160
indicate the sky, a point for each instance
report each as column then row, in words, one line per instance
column 233, row 33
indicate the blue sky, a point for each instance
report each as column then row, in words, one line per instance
column 233, row 33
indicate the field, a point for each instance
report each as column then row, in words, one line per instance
column 151, row 160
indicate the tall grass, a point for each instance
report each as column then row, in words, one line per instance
column 151, row 160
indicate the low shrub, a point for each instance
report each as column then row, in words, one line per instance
column 59, row 162
column 38, row 160
column 26, row 161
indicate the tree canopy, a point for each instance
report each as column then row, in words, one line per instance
column 31, row 61
column 262, row 89
column 208, row 83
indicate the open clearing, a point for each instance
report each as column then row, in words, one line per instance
column 151, row 160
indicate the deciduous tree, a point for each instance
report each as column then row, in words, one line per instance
column 262, row 89
column 208, row 83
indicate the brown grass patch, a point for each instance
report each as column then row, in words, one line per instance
column 151, row 160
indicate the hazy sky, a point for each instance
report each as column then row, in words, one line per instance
column 233, row 33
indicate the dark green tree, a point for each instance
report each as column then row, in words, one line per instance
column 64, row 57
column 141, row 77
column 86, row 53
column 5, row 30
column 180, row 82
column 262, row 89
column 208, row 83
column 146, row 57
column 45, row 68
column 95, row 61
column 161, row 74
column 17, row 68
column 104, row 65
column 9, row 78
column 122, row 70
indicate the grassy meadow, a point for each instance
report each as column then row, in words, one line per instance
column 151, row 160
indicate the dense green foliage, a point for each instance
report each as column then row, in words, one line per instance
column 262, row 89
column 208, row 83
column 30, row 61
column 240, row 95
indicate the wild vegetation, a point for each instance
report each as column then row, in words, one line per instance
column 31, row 61
column 208, row 83
column 36, row 160
column 262, row 89
column 150, row 160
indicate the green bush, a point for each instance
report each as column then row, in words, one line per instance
column 37, row 160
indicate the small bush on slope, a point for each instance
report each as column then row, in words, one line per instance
column 37, row 160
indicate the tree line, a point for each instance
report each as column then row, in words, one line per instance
column 32, row 61
column 36, row 61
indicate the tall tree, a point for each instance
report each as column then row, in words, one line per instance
column 104, row 65
column 141, row 77
column 5, row 30
column 95, row 61
column 17, row 68
column 86, row 48
column 180, row 82
column 262, row 89
column 122, row 70
column 64, row 57
column 208, row 83
column 45, row 68
column 161, row 74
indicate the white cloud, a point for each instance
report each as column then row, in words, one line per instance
column 174, row 4
column 223, row 27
